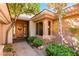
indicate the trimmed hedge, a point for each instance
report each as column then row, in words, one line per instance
column 59, row 50
column 38, row 42
column 35, row 41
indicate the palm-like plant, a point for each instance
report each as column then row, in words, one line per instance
column 59, row 8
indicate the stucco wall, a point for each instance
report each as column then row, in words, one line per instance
column 3, row 29
column 32, row 28
column 10, row 33
column 5, row 21
column 10, row 36
column 1, row 34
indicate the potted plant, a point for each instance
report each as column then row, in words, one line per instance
column 8, row 49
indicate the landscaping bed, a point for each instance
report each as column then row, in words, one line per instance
column 37, row 44
column 51, row 49
column 59, row 50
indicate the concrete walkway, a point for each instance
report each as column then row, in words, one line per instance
column 23, row 49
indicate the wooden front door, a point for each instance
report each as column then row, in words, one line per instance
column 21, row 29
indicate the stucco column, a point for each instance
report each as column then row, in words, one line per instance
column 45, row 28
column 51, row 27
column 32, row 28
column 10, row 36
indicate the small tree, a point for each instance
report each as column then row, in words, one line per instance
column 15, row 11
column 59, row 8
column 32, row 8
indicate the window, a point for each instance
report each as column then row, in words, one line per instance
column 39, row 28
column 36, row 28
column 49, row 27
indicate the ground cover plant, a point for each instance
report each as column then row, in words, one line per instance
column 59, row 50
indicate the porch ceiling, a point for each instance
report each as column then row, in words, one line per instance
column 25, row 17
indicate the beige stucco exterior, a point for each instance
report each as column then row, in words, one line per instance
column 5, row 22
column 1, row 34
column 44, row 16
column 32, row 28
column 10, row 36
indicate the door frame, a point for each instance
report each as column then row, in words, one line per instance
column 27, row 29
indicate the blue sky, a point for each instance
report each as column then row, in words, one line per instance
column 44, row 5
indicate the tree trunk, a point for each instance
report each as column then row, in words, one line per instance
column 9, row 28
column 60, row 28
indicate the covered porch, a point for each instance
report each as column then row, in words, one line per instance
column 42, row 25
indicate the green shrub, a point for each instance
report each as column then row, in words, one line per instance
column 38, row 42
column 31, row 39
column 59, row 50
column 8, row 48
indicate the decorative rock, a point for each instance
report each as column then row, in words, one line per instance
column 42, row 47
